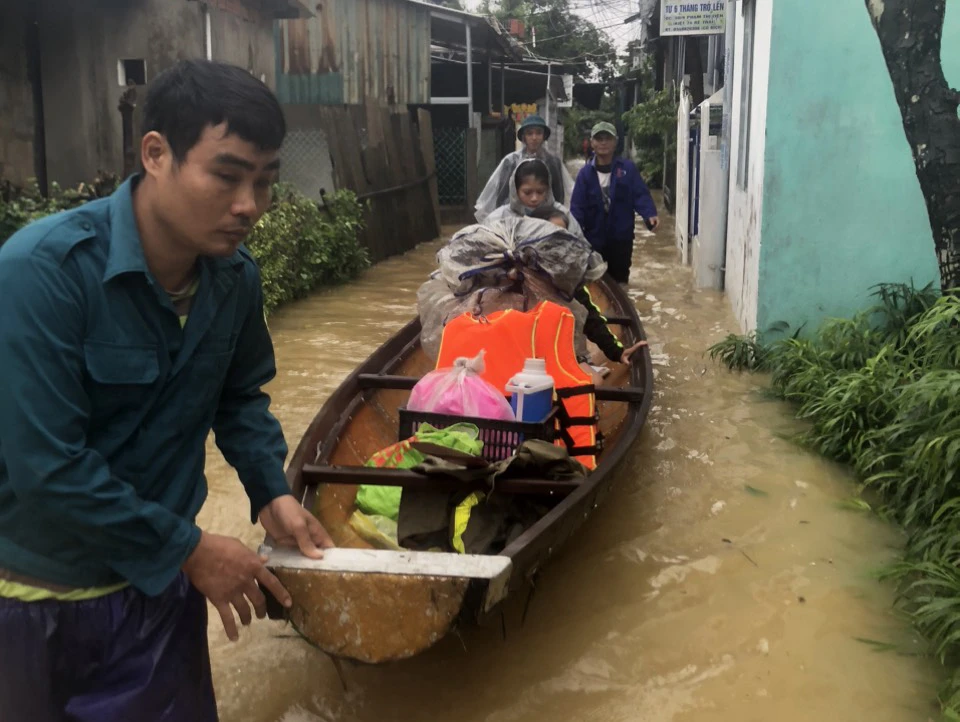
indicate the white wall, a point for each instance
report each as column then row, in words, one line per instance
column 707, row 249
column 746, row 206
column 684, row 192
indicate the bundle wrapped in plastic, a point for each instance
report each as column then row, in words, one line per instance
column 513, row 263
column 481, row 255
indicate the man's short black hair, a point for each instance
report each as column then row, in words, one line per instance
column 193, row 94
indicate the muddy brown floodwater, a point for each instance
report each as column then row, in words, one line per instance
column 687, row 597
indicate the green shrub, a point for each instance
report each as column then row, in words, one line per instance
column 739, row 353
column 298, row 246
column 20, row 206
column 881, row 391
column 579, row 121
column 653, row 127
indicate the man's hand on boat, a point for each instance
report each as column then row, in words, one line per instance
column 628, row 353
column 226, row 572
column 290, row 525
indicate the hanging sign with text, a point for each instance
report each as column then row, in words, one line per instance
column 680, row 17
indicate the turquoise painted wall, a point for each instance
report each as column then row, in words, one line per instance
column 842, row 208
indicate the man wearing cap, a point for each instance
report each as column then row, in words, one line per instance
column 533, row 133
column 607, row 193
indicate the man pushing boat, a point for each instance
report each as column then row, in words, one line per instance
column 131, row 327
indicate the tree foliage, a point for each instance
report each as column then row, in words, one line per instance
column 652, row 126
column 299, row 246
column 578, row 120
column 561, row 35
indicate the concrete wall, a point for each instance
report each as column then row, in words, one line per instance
column 707, row 252
column 842, row 208
column 684, row 192
column 81, row 89
column 488, row 157
column 16, row 97
column 746, row 206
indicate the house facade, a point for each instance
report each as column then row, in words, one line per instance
column 64, row 65
column 822, row 200
column 406, row 54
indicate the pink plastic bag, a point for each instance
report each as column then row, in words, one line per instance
column 459, row 391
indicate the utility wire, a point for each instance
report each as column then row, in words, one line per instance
column 566, row 35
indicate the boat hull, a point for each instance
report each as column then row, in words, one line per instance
column 401, row 603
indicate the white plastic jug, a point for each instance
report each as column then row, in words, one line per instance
column 531, row 391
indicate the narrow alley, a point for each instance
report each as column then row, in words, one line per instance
column 722, row 579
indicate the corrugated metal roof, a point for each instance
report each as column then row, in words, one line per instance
column 450, row 12
column 354, row 50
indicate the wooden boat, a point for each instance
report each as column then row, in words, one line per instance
column 377, row 605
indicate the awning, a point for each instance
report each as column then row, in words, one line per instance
column 276, row 9
column 487, row 37
column 522, row 86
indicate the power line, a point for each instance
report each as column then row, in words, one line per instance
column 575, row 32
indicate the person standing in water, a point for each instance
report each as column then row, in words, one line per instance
column 607, row 194
column 531, row 197
column 533, row 133
column 131, row 327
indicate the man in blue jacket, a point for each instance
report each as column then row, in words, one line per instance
column 131, row 326
column 607, row 193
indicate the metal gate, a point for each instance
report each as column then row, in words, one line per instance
column 450, row 148
column 306, row 161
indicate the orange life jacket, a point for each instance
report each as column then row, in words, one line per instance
column 511, row 337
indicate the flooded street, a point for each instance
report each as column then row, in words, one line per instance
column 721, row 580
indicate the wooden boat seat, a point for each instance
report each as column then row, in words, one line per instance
column 314, row 474
column 629, row 394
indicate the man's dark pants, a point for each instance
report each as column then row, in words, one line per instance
column 619, row 258
column 118, row 658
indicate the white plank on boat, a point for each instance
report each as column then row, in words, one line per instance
column 407, row 563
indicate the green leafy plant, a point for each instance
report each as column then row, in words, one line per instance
column 300, row 246
column 653, row 128
column 20, row 205
column 739, row 353
column 578, row 121
column 881, row 391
